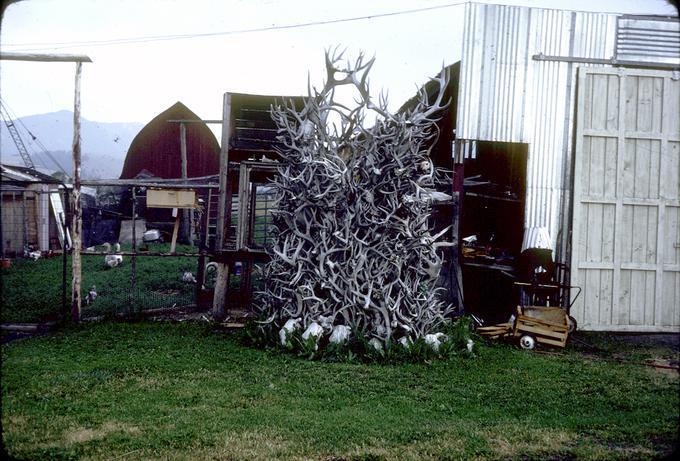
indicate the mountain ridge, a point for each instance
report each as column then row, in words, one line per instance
column 104, row 145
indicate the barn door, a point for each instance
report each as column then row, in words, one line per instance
column 626, row 234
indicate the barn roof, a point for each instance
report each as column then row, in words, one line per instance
column 156, row 148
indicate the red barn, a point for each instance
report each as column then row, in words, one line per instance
column 156, row 148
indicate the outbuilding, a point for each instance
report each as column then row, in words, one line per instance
column 573, row 118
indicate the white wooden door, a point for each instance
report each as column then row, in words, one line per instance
column 626, row 232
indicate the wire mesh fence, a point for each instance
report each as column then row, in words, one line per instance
column 147, row 275
column 119, row 223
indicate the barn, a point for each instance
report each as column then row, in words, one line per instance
column 155, row 151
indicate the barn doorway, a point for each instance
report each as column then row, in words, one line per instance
column 492, row 227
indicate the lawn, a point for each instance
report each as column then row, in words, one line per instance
column 180, row 391
column 31, row 290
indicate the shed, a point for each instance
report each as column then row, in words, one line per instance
column 587, row 105
column 31, row 205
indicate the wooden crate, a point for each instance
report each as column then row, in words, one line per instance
column 549, row 325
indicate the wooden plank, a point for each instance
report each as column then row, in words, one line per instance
column 638, row 295
column 539, row 332
column 666, row 115
column 224, row 171
column 606, row 297
column 532, row 321
column 44, row 57
column 612, row 117
column 243, row 200
column 591, row 296
column 596, row 184
column 255, row 145
column 551, row 342
column 175, row 231
column 268, row 135
column 610, row 154
column 650, row 298
column 579, row 225
column 630, row 112
column 618, row 213
column 622, row 314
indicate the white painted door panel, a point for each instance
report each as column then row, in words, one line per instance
column 626, row 234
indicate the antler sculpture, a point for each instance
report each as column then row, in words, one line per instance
column 353, row 245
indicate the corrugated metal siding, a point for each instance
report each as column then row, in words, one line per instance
column 648, row 39
column 506, row 96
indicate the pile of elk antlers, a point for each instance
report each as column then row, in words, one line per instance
column 354, row 245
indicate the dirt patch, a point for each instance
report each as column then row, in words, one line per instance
column 518, row 441
column 84, row 434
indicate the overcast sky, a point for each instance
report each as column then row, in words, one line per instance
column 135, row 81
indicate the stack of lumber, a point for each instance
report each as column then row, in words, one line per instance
column 500, row 330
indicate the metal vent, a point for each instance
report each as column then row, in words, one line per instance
column 648, row 39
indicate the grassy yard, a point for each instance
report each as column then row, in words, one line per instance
column 179, row 391
column 31, row 290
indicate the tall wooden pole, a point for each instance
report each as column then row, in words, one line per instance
column 77, row 210
column 222, row 282
column 187, row 217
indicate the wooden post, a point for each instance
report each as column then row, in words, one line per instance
column 77, row 210
column 187, row 215
column 175, row 230
column 456, row 249
column 133, row 275
column 64, row 260
column 222, row 283
column 224, row 172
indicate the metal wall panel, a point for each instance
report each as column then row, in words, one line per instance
column 506, row 96
column 648, row 39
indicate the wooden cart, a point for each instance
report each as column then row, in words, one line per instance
column 542, row 325
column 532, row 325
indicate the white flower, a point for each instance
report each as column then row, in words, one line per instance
column 340, row 334
column 376, row 344
column 289, row 327
column 405, row 341
column 435, row 340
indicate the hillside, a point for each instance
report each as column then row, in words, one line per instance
column 104, row 145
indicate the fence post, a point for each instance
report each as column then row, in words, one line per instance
column 77, row 211
column 219, row 311
column 133, row 276
column 64, row 254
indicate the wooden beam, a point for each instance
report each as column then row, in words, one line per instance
column 143, row 183
column 187, row 216
column 219, row 311
column 194, row 121
column 77, row 210
column 79, row 58
column 224, row 172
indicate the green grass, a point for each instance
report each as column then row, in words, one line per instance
column 178, row 391
column 31, row 290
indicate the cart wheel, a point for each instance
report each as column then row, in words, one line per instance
column 571, row 324
column 527, row 342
